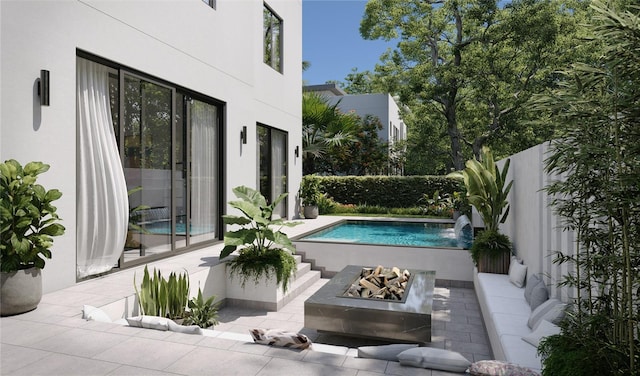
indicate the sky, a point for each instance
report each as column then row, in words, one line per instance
column 331, row 40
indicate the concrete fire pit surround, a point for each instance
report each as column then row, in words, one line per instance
column 408, row 321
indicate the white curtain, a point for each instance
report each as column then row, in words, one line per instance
column 102, row 202
column 203, row 167
column 278, row 169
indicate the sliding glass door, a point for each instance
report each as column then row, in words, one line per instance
column 272, row 159
column 168, row 139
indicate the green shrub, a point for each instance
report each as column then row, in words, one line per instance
column 203, row 313
column 158, row 296
column 386, row 191
column 491, row 243
column 326, row 205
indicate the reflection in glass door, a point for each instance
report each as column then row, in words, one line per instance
column 147, row 114
column 272, row 159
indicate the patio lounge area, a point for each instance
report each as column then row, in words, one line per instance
column 55, row 340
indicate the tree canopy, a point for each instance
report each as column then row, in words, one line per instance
column 467, row 69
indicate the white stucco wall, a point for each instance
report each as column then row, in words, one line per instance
column 532, row 225
column 216, row 52
column 381, row 105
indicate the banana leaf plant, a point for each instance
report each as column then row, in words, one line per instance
column 486, row 189
column 263, row 250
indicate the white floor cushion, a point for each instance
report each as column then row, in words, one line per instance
column 440, row 359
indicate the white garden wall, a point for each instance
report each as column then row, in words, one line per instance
column 532, row 225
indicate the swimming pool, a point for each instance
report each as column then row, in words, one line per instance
column 330, row 253
column 421, row 234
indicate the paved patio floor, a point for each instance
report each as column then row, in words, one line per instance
column 55, row 340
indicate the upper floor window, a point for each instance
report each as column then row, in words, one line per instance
column 211, row 3
column 272, row 33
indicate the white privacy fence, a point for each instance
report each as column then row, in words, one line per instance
column 534, row 228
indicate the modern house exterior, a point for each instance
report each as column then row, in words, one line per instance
column 382, row 106
column 149, row 114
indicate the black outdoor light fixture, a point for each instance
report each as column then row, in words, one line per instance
column 297, row 151
column 43, row 87
column 243, row 134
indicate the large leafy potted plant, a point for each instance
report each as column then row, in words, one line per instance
column 29, row 223
column 263, row 251
column 487, row 191
column 310, row 196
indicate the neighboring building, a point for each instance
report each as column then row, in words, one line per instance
column 383, row 106
column 181, row 100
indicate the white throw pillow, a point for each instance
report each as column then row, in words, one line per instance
column 536, row 315
column 384, row 352
column 539, row 295
column 545, row 329
column 149, row 322
column 95, row 314
column 440, row 359
column 531, row 283
column 517, row 272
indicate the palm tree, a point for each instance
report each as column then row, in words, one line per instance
column 323, row 127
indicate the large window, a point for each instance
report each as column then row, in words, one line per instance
column 170, row 147
column 272, row 34
column 272, row 159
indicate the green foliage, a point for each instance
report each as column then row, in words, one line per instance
column 203, row 313
column 29, row 220
column 264, row 251
column 326, row 205
column 468, row 68
column 578, row 349
column 486, row 191
column 490, row 243
column 323, row 128
column 598, row 197
column 386, row 191
column 158, row 296
column 310, row 190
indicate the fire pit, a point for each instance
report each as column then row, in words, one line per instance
column 380, row 283
column 407, row 319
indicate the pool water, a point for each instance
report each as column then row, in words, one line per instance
column 422, row 234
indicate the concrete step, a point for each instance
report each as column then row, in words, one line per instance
column 305, row 278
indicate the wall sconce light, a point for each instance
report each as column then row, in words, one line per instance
column 43, row 87
column 297, row 151
column 243, row 134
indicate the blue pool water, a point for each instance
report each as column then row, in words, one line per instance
column 389, row 233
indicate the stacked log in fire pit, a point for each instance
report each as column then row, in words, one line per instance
column 380, row 283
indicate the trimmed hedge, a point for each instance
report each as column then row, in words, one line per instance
column 386, row 191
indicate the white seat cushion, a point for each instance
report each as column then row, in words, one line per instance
column 519, row 352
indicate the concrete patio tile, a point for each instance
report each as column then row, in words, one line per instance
column 208, row 361
column 475, row 348
column 289, row 326
column 368, row 373
column 154, row 334
column 276, row 366
column 452, row 335
column 137, row 371
column 188, row 339
column 470, row 328
column 16, row 357
column 148, row 353
column 479, row 338
column 250, row 348
column 324, row 358
column 80, row 342
column 243, row 337
column 366, row 364
column 26, row 333
column 61, row 364
column 217, row 342
column 286, row 353
column 395, row 368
